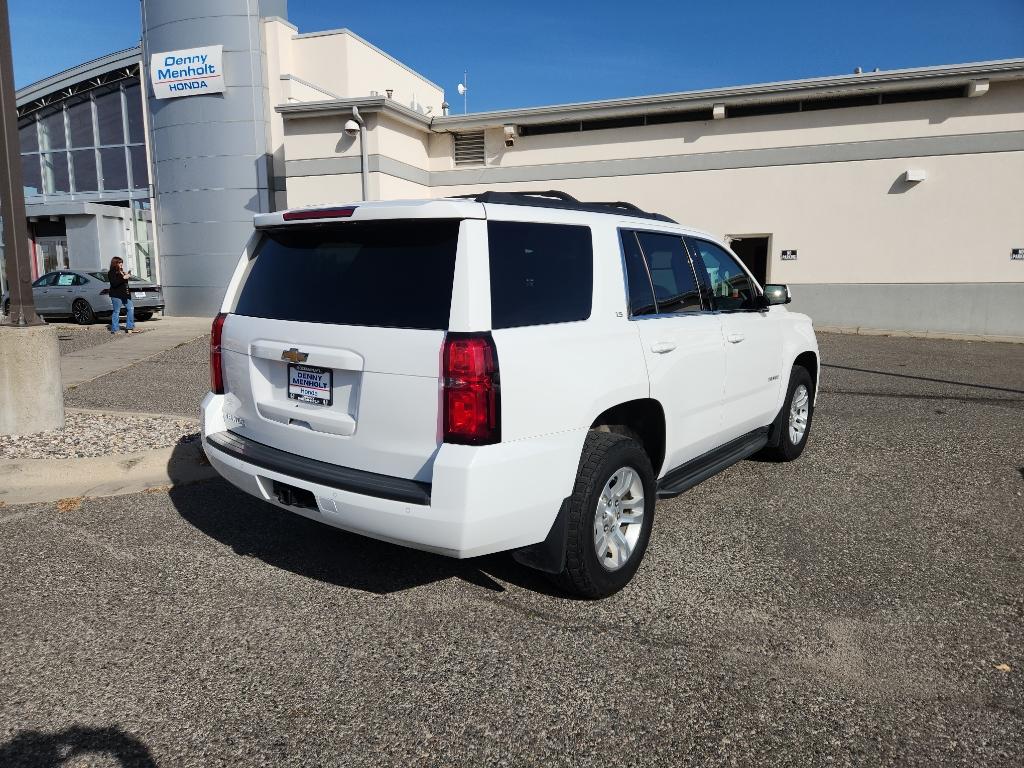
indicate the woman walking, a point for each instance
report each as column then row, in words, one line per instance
column 119, row 294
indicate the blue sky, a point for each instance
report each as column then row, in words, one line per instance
column 526, row 53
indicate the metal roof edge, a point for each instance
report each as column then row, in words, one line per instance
column 366, row 104
column 83, row 71
column 1006, row 69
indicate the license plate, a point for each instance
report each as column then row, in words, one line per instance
column 310, row 384
column 140, row 294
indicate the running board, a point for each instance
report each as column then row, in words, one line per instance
column 711, row 463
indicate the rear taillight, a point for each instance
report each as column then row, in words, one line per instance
column 471, row 402
column 105, row 292
column 216, row 366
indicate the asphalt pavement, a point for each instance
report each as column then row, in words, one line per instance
column 861, row 606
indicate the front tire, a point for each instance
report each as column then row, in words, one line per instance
column 793, row 424
column 82, row 312
column 611, row 513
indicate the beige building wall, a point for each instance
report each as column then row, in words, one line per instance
column 872, row 249
column 342, row 62
column 852, row 222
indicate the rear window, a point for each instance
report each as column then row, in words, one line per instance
column 391, row 274
column 540, row 273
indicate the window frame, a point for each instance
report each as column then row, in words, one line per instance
column 704, row 277
column 705, row 307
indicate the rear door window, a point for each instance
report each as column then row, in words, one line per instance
column 540, row 273
column 675, row 285
column 390, row 274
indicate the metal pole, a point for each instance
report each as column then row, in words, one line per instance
column 12, row 194
column 364, row 162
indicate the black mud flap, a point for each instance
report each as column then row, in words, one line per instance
column 548, row 555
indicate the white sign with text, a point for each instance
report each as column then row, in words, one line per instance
column 187, row 72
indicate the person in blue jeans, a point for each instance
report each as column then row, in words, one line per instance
column 120, row 295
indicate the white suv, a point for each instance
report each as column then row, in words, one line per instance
column 511, row 371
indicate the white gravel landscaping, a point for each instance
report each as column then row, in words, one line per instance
column 87, row 435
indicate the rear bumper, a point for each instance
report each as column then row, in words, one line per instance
column 480, row 499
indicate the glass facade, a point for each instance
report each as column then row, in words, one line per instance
column 90, row 146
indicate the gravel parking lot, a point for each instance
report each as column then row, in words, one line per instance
column 861, row 606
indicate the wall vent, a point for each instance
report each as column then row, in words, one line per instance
column 468, row 148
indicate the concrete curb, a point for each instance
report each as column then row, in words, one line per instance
column 862, row 331
column 31, row 481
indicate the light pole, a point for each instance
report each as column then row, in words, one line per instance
column 31, row 396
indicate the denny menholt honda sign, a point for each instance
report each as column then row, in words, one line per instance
column 187, row 72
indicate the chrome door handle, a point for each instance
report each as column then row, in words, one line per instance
column 661, row 347
column 735, row 337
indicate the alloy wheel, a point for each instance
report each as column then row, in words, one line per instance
column 799, row 410
column 619, row 518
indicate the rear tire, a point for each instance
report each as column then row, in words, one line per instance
column 143, row 316
column 7, row 307
column 611, row 513
column 82, row 312
column 793, row 424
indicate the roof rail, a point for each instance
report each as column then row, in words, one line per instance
column 555, row 199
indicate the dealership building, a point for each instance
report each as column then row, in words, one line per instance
column 886, row 200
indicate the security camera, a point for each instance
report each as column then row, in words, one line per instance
column 511, row 131
column 351, row 127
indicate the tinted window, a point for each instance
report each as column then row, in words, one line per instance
column 133, row 102
column 80, row 123
column 53, row 131
column 675, row 287
column 56, row 176
column 392, row 274
column 641, row 294
column 115, row 168
column 140, row 172
column 31, row 175
column 45, row 280
column 28, row 136
column 540, row 273
column 84, row 163
column 730, row 286
column 108, row 118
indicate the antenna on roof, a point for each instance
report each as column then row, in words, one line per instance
column 463, row 89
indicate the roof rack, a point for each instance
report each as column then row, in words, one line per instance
column 555, row 199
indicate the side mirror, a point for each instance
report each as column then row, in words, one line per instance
column 777, row 294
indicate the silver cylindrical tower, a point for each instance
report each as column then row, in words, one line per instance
column 210, row 152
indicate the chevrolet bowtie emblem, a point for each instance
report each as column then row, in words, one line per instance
column 294, row 356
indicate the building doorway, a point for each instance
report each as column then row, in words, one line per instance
column 753, row 252
column 51, row 254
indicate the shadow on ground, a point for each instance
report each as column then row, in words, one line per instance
column 253, row 528
column 77, row 745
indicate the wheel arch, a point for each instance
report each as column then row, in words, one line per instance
column 809, row 361
column 643, row 418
